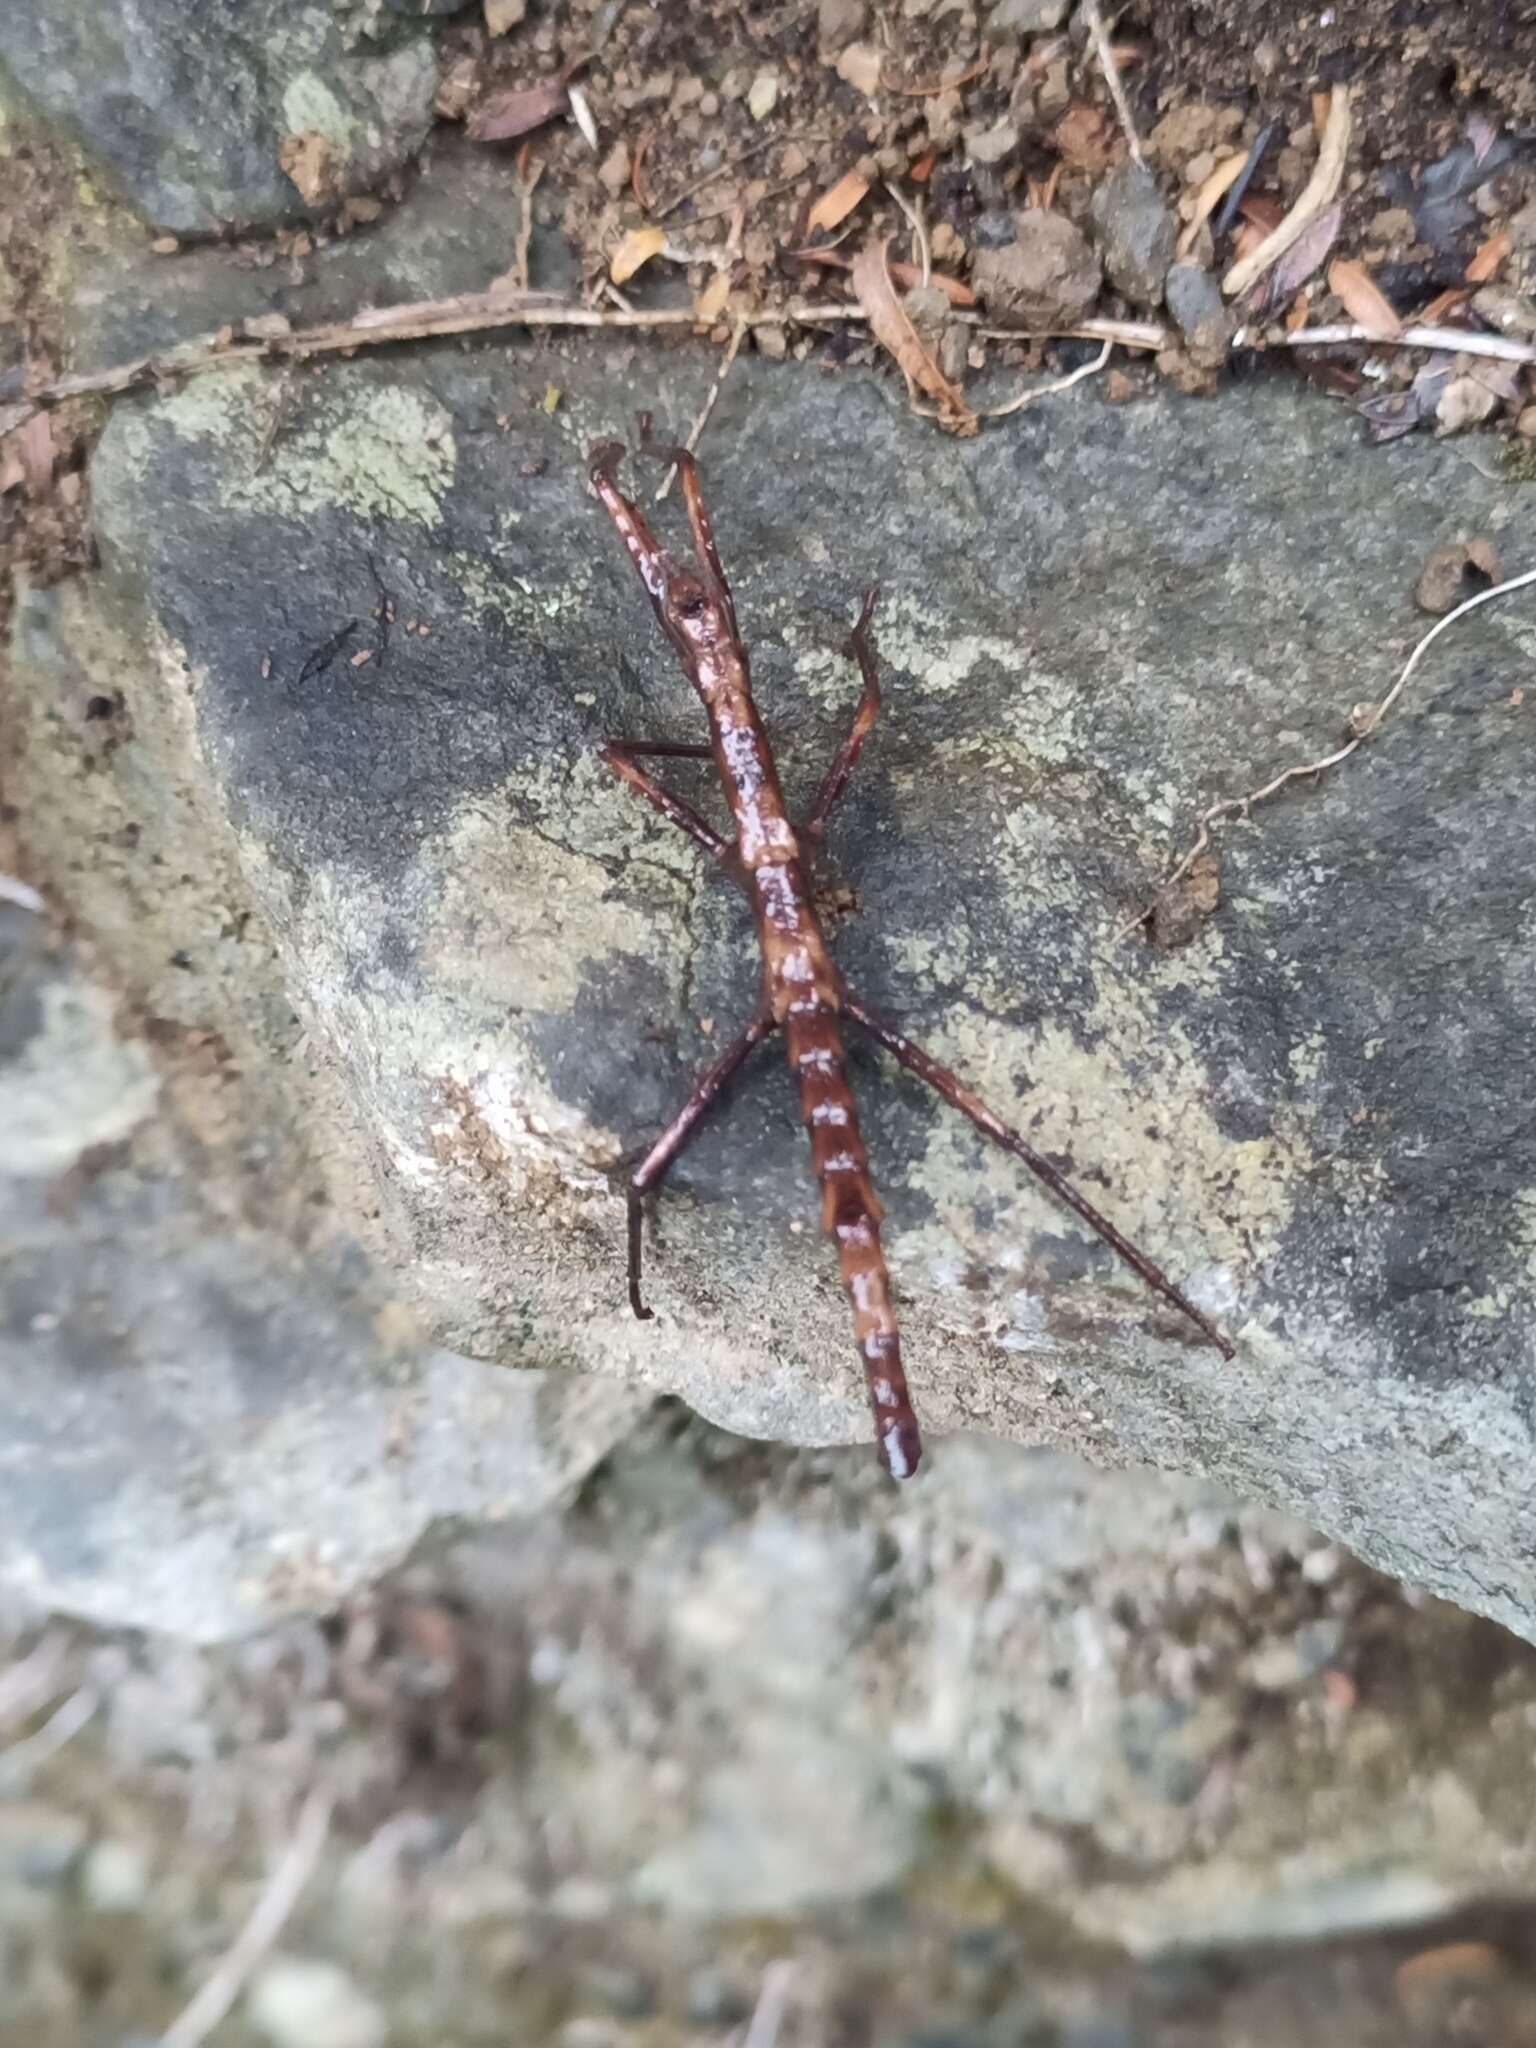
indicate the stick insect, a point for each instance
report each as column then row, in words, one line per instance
column 803, row 995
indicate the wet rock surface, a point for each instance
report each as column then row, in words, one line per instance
column 384, row 700
column 187, row 111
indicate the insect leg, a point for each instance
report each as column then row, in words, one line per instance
column 678, row 1135
column 954, row 1092
column 621, row 757
column 835, row 781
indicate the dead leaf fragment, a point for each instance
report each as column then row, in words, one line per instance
column 634, row 251
column 506, row 115
column 1363, row 299
column 1465, row 402
column 837, row 202
column 710, row 303
column 1454, row 571
column 310, row 160
column 859, row 66
column 1485, row 264
column 1427, row 1981
column 871, row 280
column 502, row 15
column 1185, row 904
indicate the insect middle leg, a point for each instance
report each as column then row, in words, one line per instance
column 680, row 1133
column 955, row 1092
column 835, row 781
column 624, row 757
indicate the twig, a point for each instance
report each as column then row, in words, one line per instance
column 1245, row 177
column 1032, row 397
column 697, row 429
column 1366, row 721
column 61, row 1726
column 289, row 1877
column 1446, row 340
column 499, row 307
column 1111, row 70
column 772, row 2005
column 1318, row 192
column 527, row 183
column 22, row 894
column 914, row 213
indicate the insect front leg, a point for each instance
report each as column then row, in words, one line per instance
column 835, row 781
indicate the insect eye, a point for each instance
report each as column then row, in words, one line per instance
column 691, row 604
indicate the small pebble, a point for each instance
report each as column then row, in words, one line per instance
column 301, row 2003
column 115, row 1878
column 763, row 95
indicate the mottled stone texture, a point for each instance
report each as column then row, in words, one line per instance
column 185, row 109
column 1319, row 1114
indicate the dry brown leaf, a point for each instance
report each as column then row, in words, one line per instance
column 1424, row 1980
column 635, row 249
column 871, row 279
column 1321, row 102
column 908, row 276
column 1261, row 211
column 1440, row 307
column 310, row 161
column 34, row 444
column 1300, row 312
column 1363, row 298
column 1306, row 254
column 710, row 303
column 837, row 202
column 506, row 115
column 1484, row 266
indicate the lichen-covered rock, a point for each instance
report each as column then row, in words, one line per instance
column 383, row 655
column 191, row 111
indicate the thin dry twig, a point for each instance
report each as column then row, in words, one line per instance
column 1318, row 192
column 1447, row 340
column 19, row 1759
column 527, row 183
column 501, row 306
column 1104, row 51
column 1365, row 721
column 913, row 209
column 772, row 2005
column 1033, row 397
column 269, row 1915
column 695, row 432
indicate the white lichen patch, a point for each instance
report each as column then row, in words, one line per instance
column 311, row 108
column 376, row 451
column 491, row 587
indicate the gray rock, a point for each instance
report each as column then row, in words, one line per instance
column 201, row 1431
column 839, row 21
column 186, row 117
column 1137, row 232
column 1195, row 301
column 1091, row 621
column 1026, row 17
column 1047, row 276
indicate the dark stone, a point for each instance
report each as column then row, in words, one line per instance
column 1137, row 233
column 185, row 110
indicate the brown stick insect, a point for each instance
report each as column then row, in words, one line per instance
column 803, row 994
